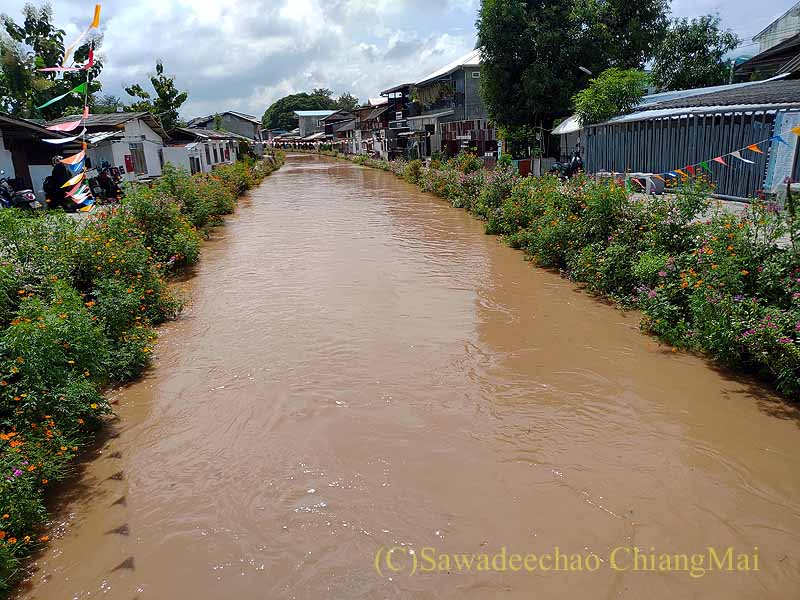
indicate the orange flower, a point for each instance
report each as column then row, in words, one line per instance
column 2, row 535
column 44, row 538
column 12, row 540
column 80, row 421
column 44, row 481
column 745, row 272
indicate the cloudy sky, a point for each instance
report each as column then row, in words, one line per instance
column 244, row 54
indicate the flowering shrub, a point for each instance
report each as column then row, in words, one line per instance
column 721, row 285
column 78, row 306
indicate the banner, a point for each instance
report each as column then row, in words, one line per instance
column 80, row 89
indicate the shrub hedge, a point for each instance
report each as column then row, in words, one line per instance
column 705, row 280
column 79, row 300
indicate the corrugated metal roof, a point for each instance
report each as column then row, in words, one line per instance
column 116, row 120
column 314, row 113
column 696, row 110
column 473, row 59
column 764, row 93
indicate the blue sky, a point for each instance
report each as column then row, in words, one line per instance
column 244, row 54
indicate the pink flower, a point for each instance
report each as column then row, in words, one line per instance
column 662, row 273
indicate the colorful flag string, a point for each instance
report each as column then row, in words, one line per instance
column 693, row 169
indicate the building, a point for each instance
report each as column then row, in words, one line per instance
column 452, row 115
column 783, row 57
column 311, row 121
column 782, row 28
column 235, row 122
column 400, row 107
column 201, row 150
column 24, row 157
column 664, row 135
column 133, row 142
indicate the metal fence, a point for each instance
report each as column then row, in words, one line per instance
column 660, row 145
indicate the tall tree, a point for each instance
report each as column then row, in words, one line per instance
column 614, row 92
column 532, row 51
column 691, row 54
column 280, row 115
column 346, row 101
column 34, row 44
column 167, row 101
column 105, row 103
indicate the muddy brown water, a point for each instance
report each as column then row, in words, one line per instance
column 361, row 368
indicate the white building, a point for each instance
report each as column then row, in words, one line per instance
column 132, row 142
column 782, row 28
column 200, row 150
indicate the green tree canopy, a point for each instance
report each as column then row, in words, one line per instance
column 167, row 101
column 690, row 55
column 613, row 92
column 280, row 115
column 346, row 101
column 34, row 44
column 532, row 51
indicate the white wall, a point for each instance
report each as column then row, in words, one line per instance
column 178, row 156
column 152, row 143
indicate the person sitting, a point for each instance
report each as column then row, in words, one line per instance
column 56, row 194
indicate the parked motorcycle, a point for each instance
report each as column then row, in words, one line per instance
column 22, row 199
column 106, row 185
column 567, row 169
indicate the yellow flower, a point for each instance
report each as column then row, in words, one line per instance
column 93, row 405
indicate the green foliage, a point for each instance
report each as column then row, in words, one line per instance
column 167, row 101
column 347, row 102
column 78, row 304
column 690, row 54
column 613, row 93
column 280, row 115
column 531, row 51
column 34, row 44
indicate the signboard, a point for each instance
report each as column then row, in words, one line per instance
column 781, row 156
column 128, row 163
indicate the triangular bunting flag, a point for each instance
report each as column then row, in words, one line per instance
column 779, row 139
column 755, row 148
column 690, row 170
column 75, row 158
column 681, row 173
column 74, row 190
column 738, row 155
column 77, row 179
column 659, row 177
column 80, row 89
column 68, row 126
column 672, row 174
column 796, row 130
column 96, row 18
column 704, row 164
column 720, row 161
column 65, row 140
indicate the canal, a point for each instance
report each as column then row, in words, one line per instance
column 360, row 367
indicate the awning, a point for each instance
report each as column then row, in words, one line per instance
column 569, row 125
column 444, row 113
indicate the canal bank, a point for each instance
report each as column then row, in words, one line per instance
column 361, row 368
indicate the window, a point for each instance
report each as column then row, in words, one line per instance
column 194, row 164
column 161, row 157
column 216, row 156
column 139, row 161
column 476, row 74
column 208, row 155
